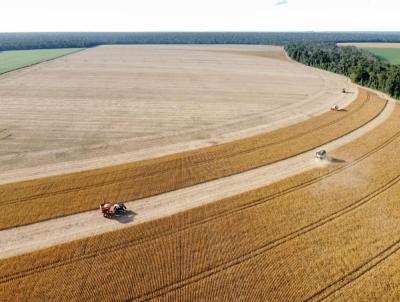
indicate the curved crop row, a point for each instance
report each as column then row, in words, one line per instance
column 289, row 246
column 73, row 193
column 379, row 279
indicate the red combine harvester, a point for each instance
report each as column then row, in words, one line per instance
column 111, row 210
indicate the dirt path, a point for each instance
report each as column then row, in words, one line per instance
column 24, row 239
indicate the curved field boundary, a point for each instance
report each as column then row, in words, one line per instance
column 327, row 172
column 191, row 157
column 151, row 177
column 248, row 256
column 69, row 152
column 29, row 238
column 170, row 223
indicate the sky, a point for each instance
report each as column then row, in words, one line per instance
column 200, row 15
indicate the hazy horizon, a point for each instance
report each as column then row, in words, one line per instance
column 205, row 16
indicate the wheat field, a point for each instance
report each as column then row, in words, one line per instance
column 322, row 234
column 78, row 192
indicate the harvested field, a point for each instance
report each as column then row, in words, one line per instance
column 114, row 104
column 303, row 238
column 84, row 190
column 378, row 45
column 278, row 55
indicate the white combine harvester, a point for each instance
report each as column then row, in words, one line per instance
column 321, row 154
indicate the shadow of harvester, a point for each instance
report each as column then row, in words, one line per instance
column 336, row 160
column 126, row 217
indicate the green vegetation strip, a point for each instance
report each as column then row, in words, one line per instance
column 391, row 55
column 12, row 60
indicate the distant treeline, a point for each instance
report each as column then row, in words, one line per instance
column 316, row 49
column 15, row 41
column 361, row 66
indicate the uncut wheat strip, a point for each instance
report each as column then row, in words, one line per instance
column 40, row 235
column 88, row 196
column 184, row 175
column 54, row 184
column 149, row 254
column 46, row 187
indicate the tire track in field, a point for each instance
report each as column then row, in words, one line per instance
column 356, row 273
column 207, row 161
column 269, row 246
column 224, row 214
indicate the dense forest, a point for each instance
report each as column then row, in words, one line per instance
column 361, row 66
column 15, row 41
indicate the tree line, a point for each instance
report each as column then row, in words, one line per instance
column 361, row 66
column 17, row 41
column 316, row 49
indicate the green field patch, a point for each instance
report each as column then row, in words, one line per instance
column 391, row 55
column 12, row 60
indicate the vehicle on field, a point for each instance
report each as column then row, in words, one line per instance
column 111, row 210
column 321, row 154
